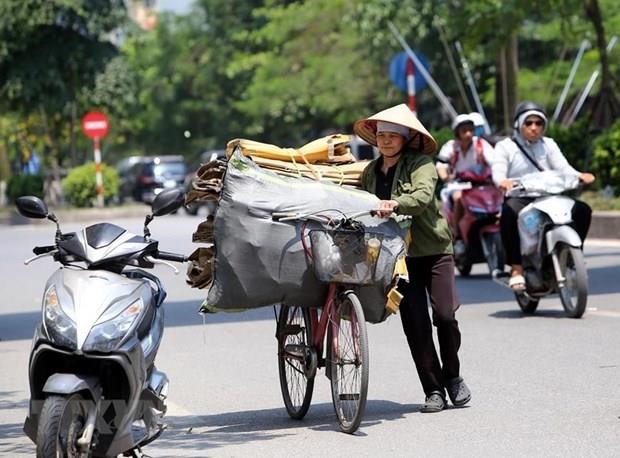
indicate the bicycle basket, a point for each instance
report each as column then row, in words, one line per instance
column 345, row 256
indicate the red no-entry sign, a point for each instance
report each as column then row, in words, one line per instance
column 95, row 125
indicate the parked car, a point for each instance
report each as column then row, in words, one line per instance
column 155, row 174
column 208, row 156
column 126, row 169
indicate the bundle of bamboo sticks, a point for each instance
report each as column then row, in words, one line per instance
column 341, row 174
column 327, row 158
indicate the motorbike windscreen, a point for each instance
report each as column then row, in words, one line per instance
column 104, row 242
column 102, row 234
column 549, row 182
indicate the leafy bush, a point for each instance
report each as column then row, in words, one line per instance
column 598, row 202
column 80, row 185
column 574, row 141
column 606, row 157
column 442, row 136
column 24, row 185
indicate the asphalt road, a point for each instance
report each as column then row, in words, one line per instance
column 543, row 385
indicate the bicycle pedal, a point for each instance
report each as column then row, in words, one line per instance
column 349, row 397
column 297, row 351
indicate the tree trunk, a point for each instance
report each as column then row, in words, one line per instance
column 606, row 107
column 506, row 90
column 52, row 186
column 72, row 123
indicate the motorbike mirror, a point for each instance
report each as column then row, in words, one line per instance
column 31, row 207
column 167, row 201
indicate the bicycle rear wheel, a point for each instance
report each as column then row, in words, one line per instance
column 348, row 361
column 297, row 361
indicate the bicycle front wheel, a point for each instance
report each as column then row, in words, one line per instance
column 297, row 361
column 348, row 361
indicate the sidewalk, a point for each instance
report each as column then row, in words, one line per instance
column 70, row 215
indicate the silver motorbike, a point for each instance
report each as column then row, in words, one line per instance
column 551, row 249
column 94, row 387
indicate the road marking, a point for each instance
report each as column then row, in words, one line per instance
column 607, row 313
column 602, row 242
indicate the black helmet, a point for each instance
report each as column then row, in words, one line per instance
column 528, row 106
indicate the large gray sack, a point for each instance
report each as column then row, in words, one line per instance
column 260, row 262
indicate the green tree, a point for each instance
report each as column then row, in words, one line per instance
column 50, row 51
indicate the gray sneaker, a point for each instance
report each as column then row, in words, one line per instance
column 458, row 392
column 434, row 402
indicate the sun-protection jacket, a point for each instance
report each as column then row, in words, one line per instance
column 414, row 190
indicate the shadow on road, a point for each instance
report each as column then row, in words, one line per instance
column 212, row 431
column 12, row 441
column 516, row 313
column 477, row 289
column 6, row 403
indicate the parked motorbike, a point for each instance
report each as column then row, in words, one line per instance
column 551, row 249
column 479, row 227
column 95, row 390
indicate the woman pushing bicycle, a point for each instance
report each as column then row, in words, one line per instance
column 404, row 178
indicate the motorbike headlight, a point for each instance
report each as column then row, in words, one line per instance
column 106, row 336
column 59, row 327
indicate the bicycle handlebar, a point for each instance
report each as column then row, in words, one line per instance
column 298, row 216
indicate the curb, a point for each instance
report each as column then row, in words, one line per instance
column 605, row 225
column 12, row 218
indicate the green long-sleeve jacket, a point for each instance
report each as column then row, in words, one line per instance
column 414, row 190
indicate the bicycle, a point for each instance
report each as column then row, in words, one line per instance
column 335, row 336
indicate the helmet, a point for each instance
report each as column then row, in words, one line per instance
column 528, row 106
column 460, row 120
column 477, row 118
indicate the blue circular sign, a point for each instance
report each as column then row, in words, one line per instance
column 398, row 71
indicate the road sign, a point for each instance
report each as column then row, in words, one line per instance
column 398, row 72
column 95, row 125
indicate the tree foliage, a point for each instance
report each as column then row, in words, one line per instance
column 279, row 71
column 51, row 49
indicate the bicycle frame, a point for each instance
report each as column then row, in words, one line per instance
column 319, row 324
column 324, row 342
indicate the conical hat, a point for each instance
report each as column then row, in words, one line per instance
column 401, row 115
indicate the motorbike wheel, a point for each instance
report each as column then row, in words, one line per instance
column 494, row 251
column 574, row 293
column 61, row 424
column 527, row 304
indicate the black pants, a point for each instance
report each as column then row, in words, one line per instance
column 433, row 275
column 582, row 215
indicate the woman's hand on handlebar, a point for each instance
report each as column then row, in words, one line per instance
column 586, row 178
column 506, row 185
column 386, row 207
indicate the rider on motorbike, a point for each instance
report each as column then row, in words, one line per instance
column 528, row 151
column 465, row 158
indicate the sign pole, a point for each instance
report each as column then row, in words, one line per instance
column 95, row 125
column 98, row 174
column 411, row 85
